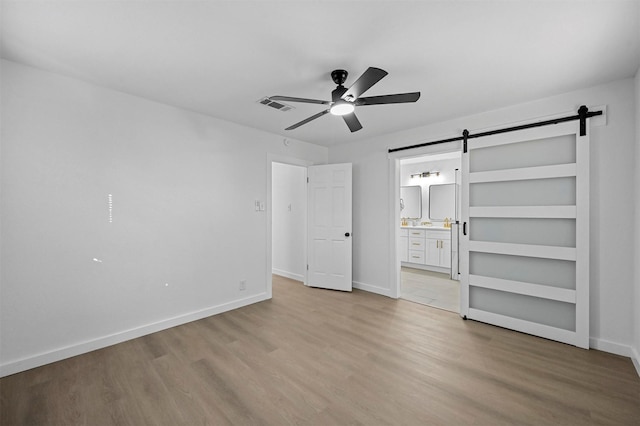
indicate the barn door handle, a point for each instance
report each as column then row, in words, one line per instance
column 464, row 228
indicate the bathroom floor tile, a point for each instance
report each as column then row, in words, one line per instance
column 430, row 288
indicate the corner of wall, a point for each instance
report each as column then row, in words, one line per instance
column 636, row 247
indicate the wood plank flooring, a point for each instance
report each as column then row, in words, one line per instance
column 320, row 357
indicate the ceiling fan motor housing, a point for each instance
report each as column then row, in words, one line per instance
column 339, row 76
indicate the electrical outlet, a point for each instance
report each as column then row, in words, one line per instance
column 243, row 285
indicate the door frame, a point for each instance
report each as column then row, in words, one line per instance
column 292, row 161
column 394, row 210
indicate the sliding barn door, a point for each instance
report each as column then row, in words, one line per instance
column 525, row 237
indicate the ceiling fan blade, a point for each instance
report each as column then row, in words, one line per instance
column 303, row 100
column 370, row 77
column 306, row 120
column 399, row 98
column 352, row 121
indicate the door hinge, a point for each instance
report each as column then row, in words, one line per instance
column 307, row 179
column 307, row 266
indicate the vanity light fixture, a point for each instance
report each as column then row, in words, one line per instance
column 425, row 174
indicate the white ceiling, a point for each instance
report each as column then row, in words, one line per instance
column 220, row 57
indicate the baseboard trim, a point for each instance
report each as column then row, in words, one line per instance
column 372, row 289
column 28, row 363
column 611, row 347
column 635, row 358
column 286, row 274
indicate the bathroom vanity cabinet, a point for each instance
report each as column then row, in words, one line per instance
column 438, row 248
column 426, row 248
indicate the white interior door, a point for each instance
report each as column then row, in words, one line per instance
column 329, row 234
column 524, row 257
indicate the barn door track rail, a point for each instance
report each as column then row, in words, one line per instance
column 582, row 115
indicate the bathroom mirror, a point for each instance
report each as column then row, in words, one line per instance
column 442, row 201
column 411, row 202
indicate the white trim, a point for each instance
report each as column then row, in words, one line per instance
column 524, row 173
column 286, row 274
column 463, row 247
column 545, row 252
column 16, row 366
column 635, row 358
column 536, row 329
column 395, row 277
column 610, row 347
column 582, row 235
column 547, row 212
column 374, row 289
column 528, row 289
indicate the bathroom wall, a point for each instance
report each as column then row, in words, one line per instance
column 446, row 168
column 611, row 202
column 289, row 219
column 121, row 216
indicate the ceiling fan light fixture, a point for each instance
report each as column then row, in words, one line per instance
column 341, row 108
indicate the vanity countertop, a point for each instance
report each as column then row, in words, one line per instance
column 435, row 228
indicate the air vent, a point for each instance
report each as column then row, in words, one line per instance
column 275, row 105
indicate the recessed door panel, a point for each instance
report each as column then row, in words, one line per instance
column 535, row 231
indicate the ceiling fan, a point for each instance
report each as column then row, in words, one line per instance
column 343, row 100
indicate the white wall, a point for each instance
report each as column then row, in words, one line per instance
column 447, row 175
column 636, row 253
column 289, row 213
column 612, row 202
column 184, row 230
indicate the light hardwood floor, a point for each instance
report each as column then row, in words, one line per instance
column 321, row 357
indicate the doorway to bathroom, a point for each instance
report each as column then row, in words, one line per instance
column 428, row 248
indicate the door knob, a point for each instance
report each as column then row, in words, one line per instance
column 346, row 234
